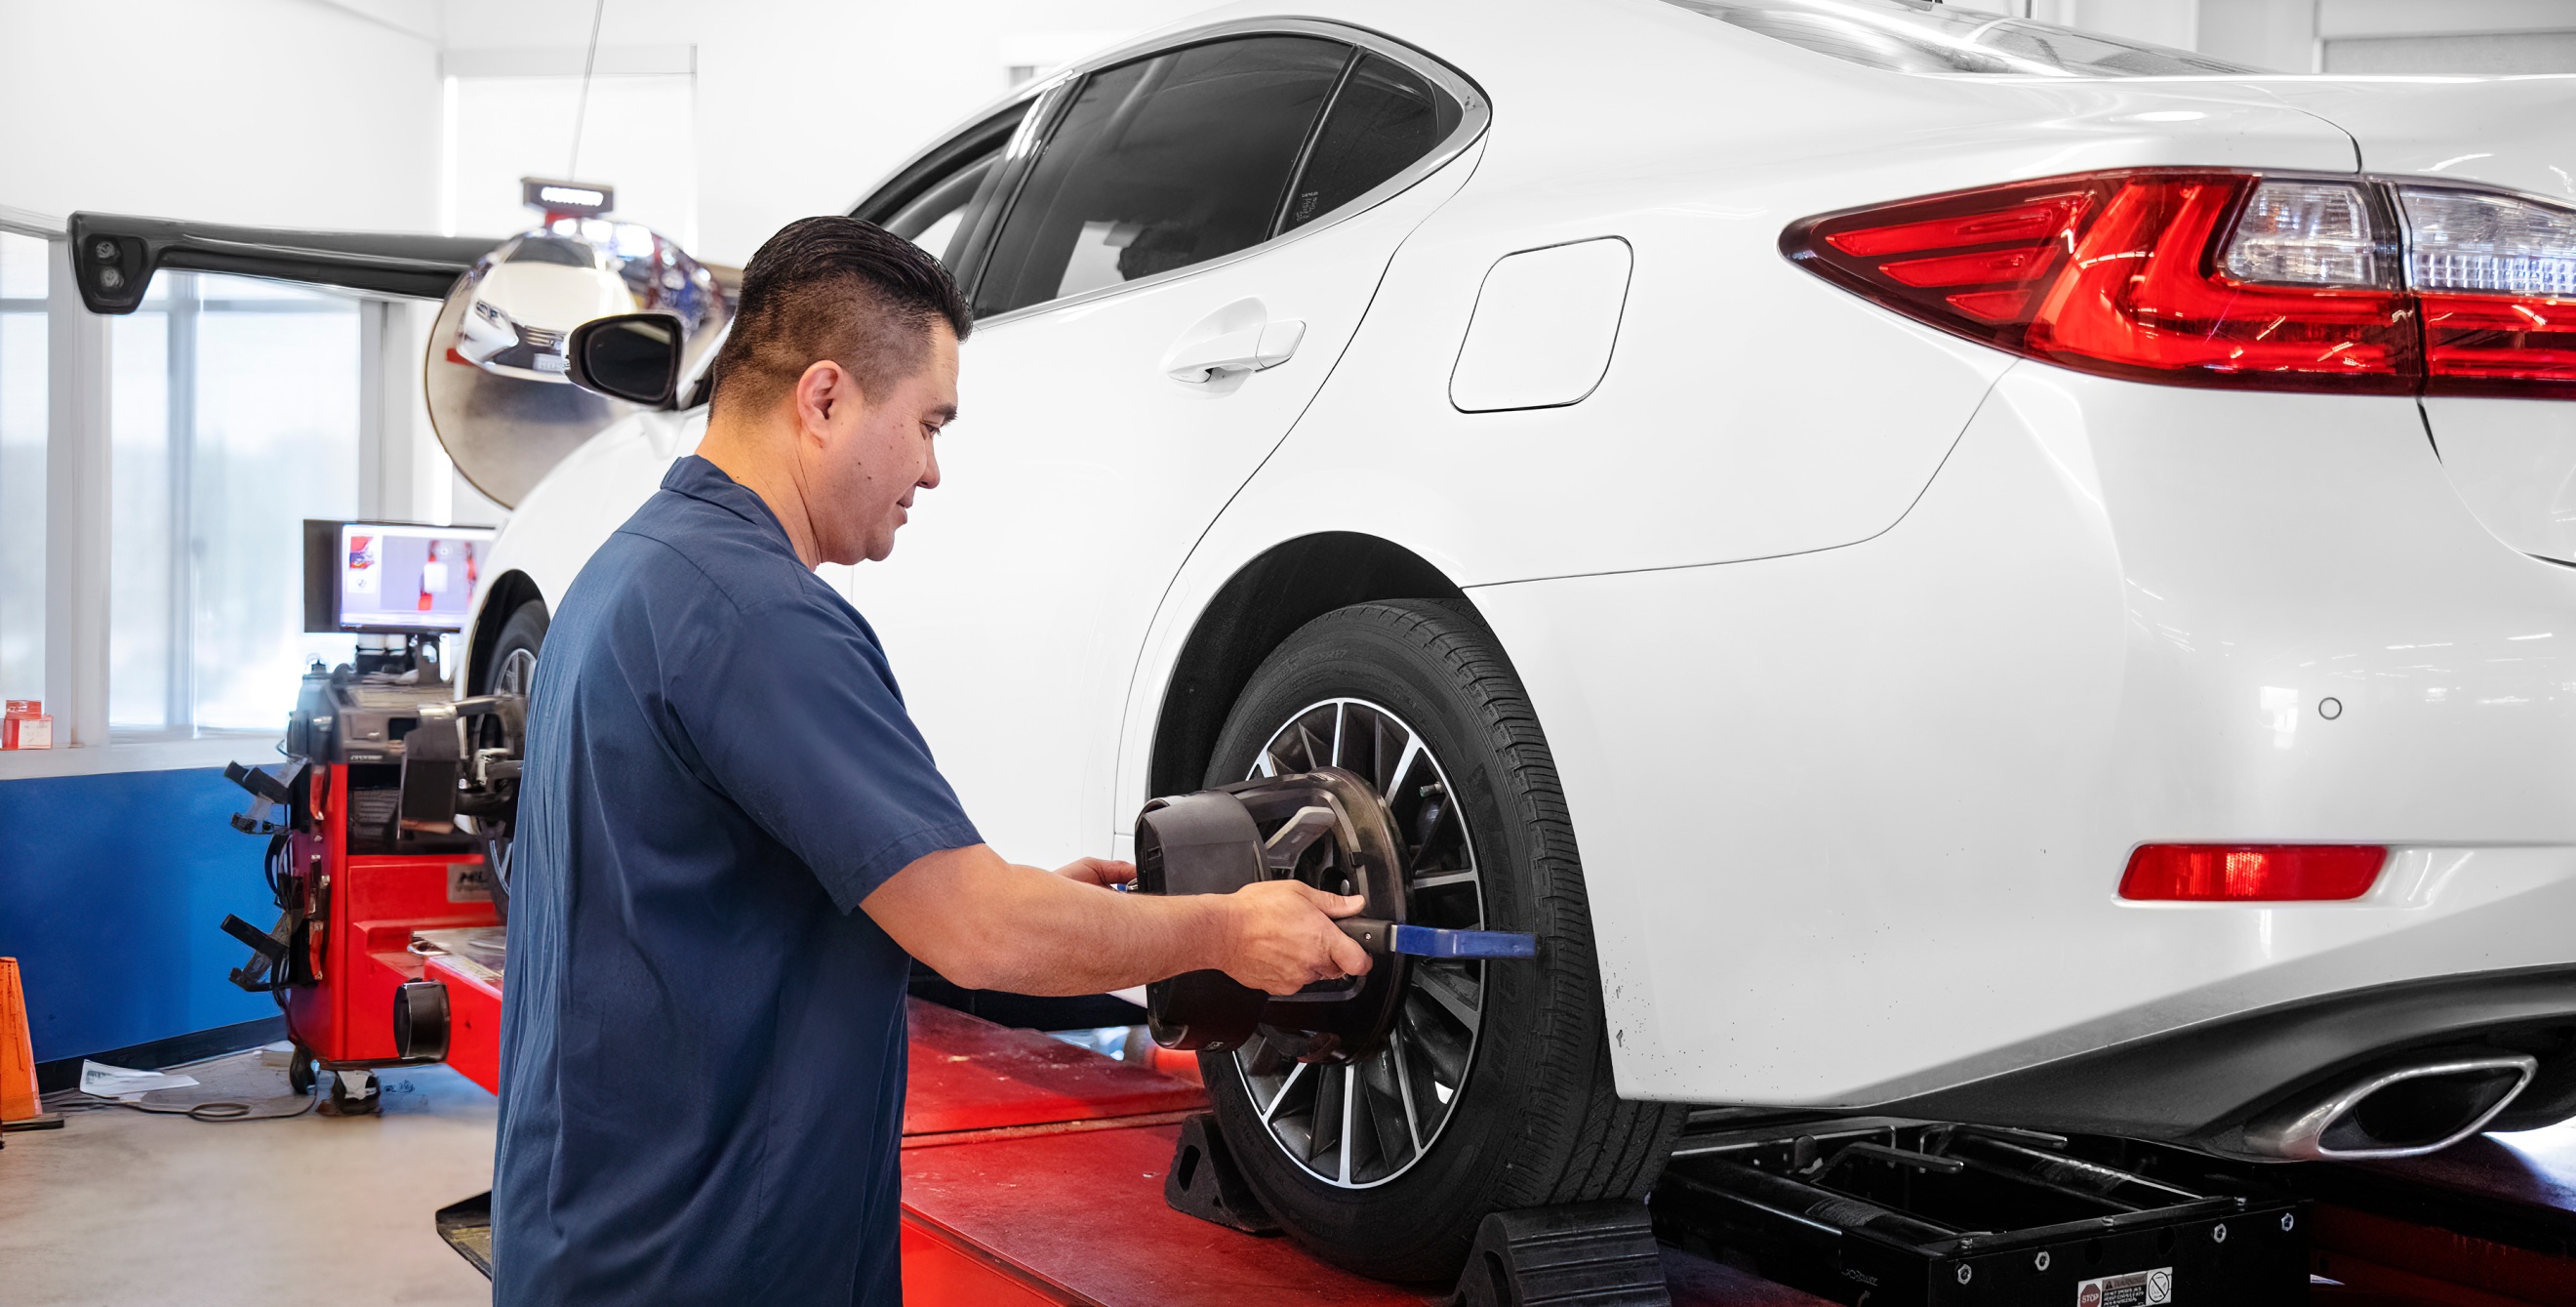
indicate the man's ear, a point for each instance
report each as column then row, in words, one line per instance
column 821, row 392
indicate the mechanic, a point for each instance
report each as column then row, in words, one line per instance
column 733, row 841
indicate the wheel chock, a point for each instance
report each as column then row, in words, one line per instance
column 1598, row 1254
column 1204, row 1183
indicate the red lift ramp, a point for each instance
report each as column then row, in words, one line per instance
column 970, row 1077
column 1078, row 1217
column 1033, row 1173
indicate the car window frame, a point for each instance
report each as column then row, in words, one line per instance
column 1007, row 126
column 1047, row 102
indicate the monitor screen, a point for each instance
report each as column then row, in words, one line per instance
column 397, row 576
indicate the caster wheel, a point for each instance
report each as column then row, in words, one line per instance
column 1492, row 1090
column 299, row 1070
column 344, row 1101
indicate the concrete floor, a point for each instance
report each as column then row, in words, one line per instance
column 120, row 1207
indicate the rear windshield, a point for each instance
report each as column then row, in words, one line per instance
column 1911, row 36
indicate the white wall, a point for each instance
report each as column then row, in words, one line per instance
column 801, row 104
column 2356, row 36
column 283, row 112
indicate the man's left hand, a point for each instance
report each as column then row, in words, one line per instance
column 1106, row 873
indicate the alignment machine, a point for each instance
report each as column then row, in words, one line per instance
column 364, row 850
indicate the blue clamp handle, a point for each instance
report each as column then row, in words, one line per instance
column 1436, row 942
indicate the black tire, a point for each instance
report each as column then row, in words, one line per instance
column 525, row 631
column 1536, row 1121
column 512, row 667
column 299, row 1069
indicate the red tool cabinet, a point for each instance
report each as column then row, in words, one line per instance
column 362, row 909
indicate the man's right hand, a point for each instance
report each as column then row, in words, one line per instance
column 1284, row 939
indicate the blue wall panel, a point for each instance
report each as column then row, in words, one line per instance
column 110, row 889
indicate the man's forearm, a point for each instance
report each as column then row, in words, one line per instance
column 988, row 924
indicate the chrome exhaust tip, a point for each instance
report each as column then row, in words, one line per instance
column 2404, row 1111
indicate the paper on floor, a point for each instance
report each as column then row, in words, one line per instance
column 125, row 1083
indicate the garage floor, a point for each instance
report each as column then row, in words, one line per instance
column 121, row 1207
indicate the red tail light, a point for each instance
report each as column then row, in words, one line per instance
column 2497, row 276
column 2251, row 873
column 2230, row 279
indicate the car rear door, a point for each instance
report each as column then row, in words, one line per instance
column 1175, row 270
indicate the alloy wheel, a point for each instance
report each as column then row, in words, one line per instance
column 1364, row 1124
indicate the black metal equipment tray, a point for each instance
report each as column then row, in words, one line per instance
column 466, row 1225
column 1889, row 1213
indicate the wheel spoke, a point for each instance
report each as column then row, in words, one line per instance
column 1282, row 1096
column 1308, row 746
column 1441, row 879
column 1433, row 818
column 1341, row 712
column 1390, row 1117
column 1350, row 1127
column 1325, row 1117
column 1455, row 994
column 1390, row 784
column 1446, row 1048
column 1398, row 1055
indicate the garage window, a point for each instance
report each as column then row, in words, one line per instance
column 234, row 415
column 22, row 465
column 1161, row 163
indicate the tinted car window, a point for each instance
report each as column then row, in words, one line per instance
column 1913, row 36
column 931, row 202
column 1158, row 164
column 1385, row 117
column 932, row 220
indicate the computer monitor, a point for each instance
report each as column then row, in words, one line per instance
column 391, row 578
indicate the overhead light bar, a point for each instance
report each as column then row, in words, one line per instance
column 563, row 199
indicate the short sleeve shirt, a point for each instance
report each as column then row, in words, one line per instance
column 702, row 1039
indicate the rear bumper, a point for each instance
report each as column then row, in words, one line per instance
column 2199, row 1085
column 1853, row 821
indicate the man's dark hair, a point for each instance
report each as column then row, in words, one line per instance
column 840, row 289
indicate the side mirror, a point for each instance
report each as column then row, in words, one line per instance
column 631, row 356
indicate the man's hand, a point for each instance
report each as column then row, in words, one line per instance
column 1284, row 938
column 1107, row 873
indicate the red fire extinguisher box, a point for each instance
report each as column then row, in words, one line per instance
column 26, row 726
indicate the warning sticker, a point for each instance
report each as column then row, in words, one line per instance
column 2136, row 1289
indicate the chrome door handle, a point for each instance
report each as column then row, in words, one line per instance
column 1249, row 349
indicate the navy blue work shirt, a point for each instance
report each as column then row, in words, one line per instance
column 702, row 1039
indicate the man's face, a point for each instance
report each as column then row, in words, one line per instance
column 864, row 460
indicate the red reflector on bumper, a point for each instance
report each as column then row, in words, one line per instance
column 2249, row 873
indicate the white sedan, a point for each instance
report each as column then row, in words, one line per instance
column 1942, row 565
